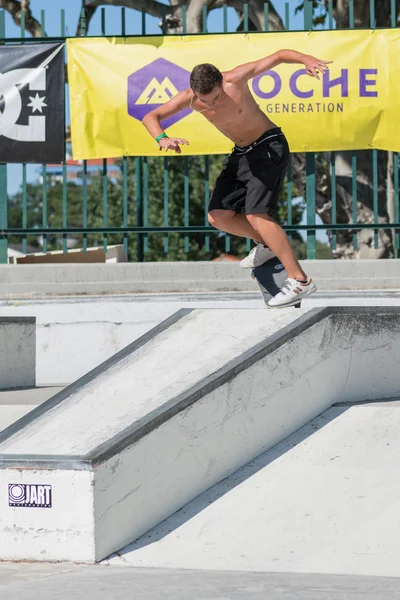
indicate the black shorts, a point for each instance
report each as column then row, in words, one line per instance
column 252, row 177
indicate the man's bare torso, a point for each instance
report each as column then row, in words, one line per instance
column 236, row 114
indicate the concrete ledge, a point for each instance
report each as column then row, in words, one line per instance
column 17, row 352
column 63, row 279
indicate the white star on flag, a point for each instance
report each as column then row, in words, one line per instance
column 37, row 103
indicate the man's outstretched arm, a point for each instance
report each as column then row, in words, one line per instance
column 313, row 65
column 152, row 121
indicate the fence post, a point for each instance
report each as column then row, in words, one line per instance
column 310, row 196
column 82, row 20
column 308, row 15
column 139, row 208
column 3, row 180
column 3, row 213
column 310, row 163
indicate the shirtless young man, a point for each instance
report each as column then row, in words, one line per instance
column 248, row 187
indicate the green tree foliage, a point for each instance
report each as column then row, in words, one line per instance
column 323, row 250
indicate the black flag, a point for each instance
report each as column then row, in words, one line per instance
column 32, row 96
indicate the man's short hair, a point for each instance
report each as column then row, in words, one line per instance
column 204, row 78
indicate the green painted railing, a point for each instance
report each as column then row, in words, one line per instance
column 135, row 227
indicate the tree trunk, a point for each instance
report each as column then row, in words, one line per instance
column 365, row 207
column 16, row 8
column 390, row 191
column 341, row 12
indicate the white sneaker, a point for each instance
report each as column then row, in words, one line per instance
column 292, row 293
column 257, row 257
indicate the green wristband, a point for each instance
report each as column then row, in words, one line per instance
column 162, row 135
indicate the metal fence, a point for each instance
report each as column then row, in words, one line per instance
column 133, row 226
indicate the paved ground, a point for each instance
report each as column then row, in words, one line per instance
column 14, row 404
column 27, row 396
column 63, row 582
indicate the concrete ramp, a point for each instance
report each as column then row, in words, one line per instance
column 325, row 500
column 176, row 412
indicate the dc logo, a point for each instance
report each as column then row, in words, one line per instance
column 10, row 84
column 16, row 493
column 279, row 267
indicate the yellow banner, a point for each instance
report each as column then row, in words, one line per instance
column 114, row 82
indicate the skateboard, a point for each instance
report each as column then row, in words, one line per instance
column 270, row 278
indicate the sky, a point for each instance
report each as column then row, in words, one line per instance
column 51, row 10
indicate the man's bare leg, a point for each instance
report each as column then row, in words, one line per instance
column 264, row 230
column 231, row 222
column 277, row 240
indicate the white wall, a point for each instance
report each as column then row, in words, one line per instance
column 64, row 532
column 17, row 352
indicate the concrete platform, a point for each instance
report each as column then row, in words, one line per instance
column 124, row 449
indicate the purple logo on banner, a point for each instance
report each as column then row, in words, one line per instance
column 154, row 85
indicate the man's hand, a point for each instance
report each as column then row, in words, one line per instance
column 172, row 144
column 314, row 66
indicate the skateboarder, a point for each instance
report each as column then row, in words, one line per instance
column 247, row 189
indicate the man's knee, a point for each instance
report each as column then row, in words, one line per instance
column 219, row 218
column 257, row 220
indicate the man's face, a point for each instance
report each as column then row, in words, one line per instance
column 212, row 98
